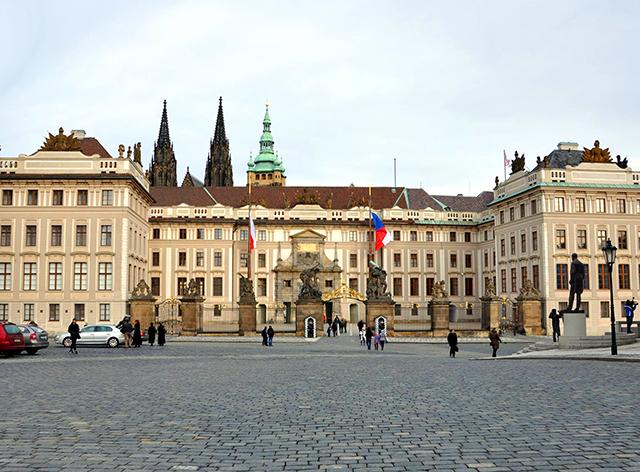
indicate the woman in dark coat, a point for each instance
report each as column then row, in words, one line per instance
column 368, row 335
column 264, row 336
column 270, row 333
column 161, row 332
column 137, row 335
column 494, row 340
column 74, row 331
column 452, row 339
column 152, row 334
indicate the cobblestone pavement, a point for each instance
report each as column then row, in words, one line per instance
column 329, row 405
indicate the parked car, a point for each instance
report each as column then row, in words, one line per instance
column 11, row 340
column 35, row 338
column 94, row 335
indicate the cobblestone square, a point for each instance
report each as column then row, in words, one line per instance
column 329, row 405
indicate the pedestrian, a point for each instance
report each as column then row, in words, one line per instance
column 494, row 340
column 344, row 326
column 334, row 327
column 376, row 341
column 452, row 339
column 127, row 329
column 629, row 308
column 74, row 331
column 137, row 335
column 383, row 339
column 368, row 335
column 270, row 333
column 264, row 336
column 554, row 316
column 161, row 334
column 329, row 331
column 362, row 339
column 152, row 333
column 360, row 325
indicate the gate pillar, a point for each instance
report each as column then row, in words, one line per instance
column 306, row 308
column 381, row 307
column 142, row 305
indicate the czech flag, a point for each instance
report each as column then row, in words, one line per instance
column 383, row 237
column 252, row 234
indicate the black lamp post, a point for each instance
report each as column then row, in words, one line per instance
column 610, row 257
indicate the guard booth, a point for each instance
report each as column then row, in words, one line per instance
column 310, row 328
column 381, row 325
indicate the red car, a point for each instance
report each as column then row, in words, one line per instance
column 11, row 340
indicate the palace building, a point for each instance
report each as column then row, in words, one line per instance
column 80, row 228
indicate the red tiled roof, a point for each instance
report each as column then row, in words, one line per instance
column 419, row 200
column 91, row 146
column 471, row 204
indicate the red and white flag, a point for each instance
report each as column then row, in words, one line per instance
column 252, row 234
column 507, row 162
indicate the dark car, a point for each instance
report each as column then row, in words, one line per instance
column 35, row 338
column 11, row 340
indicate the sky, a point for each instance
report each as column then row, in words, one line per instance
column 444, row 87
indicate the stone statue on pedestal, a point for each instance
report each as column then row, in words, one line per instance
column 246, row 290
column 309, row 286
column 141, row 291
column 491, row 289
column 439, row 292
column 377, row 282
column 576, row 283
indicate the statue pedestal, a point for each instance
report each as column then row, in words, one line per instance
column 575, row 324
column 439, row 318
column 490, row 312
column 380, row 307
column 247, row 318
column 530, row 315
column 306, row 308
column 191, row 308
column 143, row 310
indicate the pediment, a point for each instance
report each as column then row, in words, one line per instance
column 308, row 234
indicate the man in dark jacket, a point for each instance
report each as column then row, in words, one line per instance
column 554, row 316
column 127, row 329
column 74, row 331
column 270, row 333
column 452, row 339
column 152, row 334
column 264, row 336
column 494, row 340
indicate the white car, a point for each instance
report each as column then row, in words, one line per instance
column 95, row 334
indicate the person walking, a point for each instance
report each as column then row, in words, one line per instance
column 368, row 335
column 137, row 335
column 270, row 333
column 376, row 341
column 362, row 338
column 334, row 328
column 360, row 325
column 383, row 339
column 152, row 333
column 494, row 340
column 452, row 339
column 127, row 329
column 161, row 334
column 554, row 316
column 74, row 331
column 264, row 336
column 329, row 331
column 629, row 309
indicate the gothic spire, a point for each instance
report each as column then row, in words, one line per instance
column 218, row 171
column 163, row 164
column 163, row 135
column 220, row 136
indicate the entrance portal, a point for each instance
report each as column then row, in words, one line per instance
column 354, row 315
column 310, row 327
column 381, row 325
column 328, row 312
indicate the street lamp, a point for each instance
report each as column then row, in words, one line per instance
column 609, row 252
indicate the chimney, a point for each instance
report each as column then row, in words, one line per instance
column 78, row 134
column 567, row 146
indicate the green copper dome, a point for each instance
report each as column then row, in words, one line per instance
column 266, row 161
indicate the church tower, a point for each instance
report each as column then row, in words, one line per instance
column 219, row 172
column 162, row 172
column 267, row 168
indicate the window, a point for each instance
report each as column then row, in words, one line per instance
column 453, row 286
column 262, row 235
column 561, row 277
column 5, row 235
column 536, row 276
column 467, row 237
column 429, row 236
column 467, row 260
column 468, row 286
column 83, row 198
column 501, row 217
column 80, row 276
column 217, row 259
column 603, row 277
column 452, row 236
column 107, row 197
column 503, row 279
column 523, row 242
column 523, row 275
column 32, row 197
column 54, row 312
column 600, row 205
column 413, row 259
column 502, row 248
column 513, row 245
column 512, row 214
column 5, row 275
column 58, row 198
column 156, row 233
column 200, row 259
column 155, row 259
column 602, row 238
column 155, row 286
column 286, row 283
column 217, row 287
column 522, row 210
column 182, row 286
column 29, row 312
column 31, row 235
column 622, row 239
column 353, row 261
column 244, row 235
column 559, row 203
column 217, row 233
column 4, row 312
column 582, row 239
column 586, row 277
column 580, row 205
column 55, row 275
column 397, row 286
column 182, row 258
column 243, row 259
column 429, row 260
column 534, row 240
column 414, row 287
column 621, row 205
column 7, row 197
column 397, row 259
column 56, row 235
column 105, row 312
column 29, row 281
column 604, row 309
column 514, row 280
column 623, row 276
column 413, row 236
column 430, row 283
column 561, row 239
column 105, row 276
column 262, row 287
column 353, row 283
column 353, row 236
column 454, row 260
column 486, row 259
column 105, row 232
column 200, row 285
column 396, row 235
column 81, row 235
column 200, row 233
column 183, row 233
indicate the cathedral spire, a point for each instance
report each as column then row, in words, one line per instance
column 163, row 135
column 218, row 171
column 162, row 172
column 220, row 135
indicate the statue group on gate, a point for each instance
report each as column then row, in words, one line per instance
column 377, row 282
column 439, row 292
column 576, row 284
column 246, row 290
column 142, row 290
column 309, row 285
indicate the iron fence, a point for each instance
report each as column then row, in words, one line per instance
column 217, row 319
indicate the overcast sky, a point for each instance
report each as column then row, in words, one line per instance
column 442, row 86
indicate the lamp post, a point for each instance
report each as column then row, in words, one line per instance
column 609, row 252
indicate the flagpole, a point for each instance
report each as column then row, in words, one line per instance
column 370, row 235
column 504, row 164
column 249, row 236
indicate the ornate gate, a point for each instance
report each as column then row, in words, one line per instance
column 169, row 315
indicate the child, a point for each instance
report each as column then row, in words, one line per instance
column 362, row 338
column 376, row 341
column 383, row 339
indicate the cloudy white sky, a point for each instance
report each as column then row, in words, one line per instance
column 443, row 86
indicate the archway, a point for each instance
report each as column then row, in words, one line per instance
column 354, row 313
column 310, row 330
column 262, row 314
column 381, row 324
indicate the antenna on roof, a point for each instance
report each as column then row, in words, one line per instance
column 394, row 173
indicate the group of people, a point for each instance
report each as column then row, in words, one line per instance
column 133, row 333
column 494, row 341
column 338, row 326
column 267, row 336
column 367, row 336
